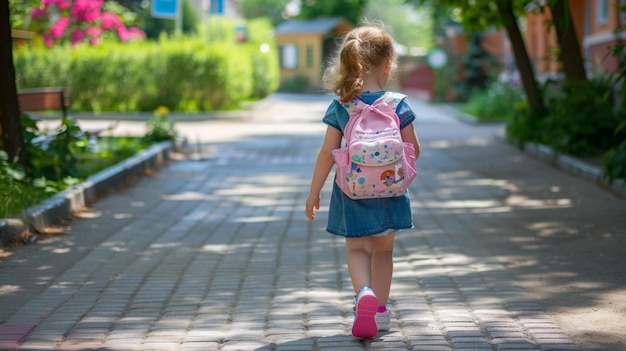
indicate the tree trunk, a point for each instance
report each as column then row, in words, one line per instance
column 533, row 93
column 571, row 56
column 10, row 126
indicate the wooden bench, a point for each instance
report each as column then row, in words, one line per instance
column 54, row 98
column 39, row 99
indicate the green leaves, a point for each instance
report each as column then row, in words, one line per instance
column 614, row 162
column 184, row 73
column 160, row 128
column 352, row 10
column 475, row 15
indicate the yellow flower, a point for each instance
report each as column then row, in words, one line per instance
column 162, row 111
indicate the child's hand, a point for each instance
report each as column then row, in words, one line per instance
column 312, row 204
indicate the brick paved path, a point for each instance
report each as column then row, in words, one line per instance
column 214, row 252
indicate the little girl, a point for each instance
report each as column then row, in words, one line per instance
column 361, row 69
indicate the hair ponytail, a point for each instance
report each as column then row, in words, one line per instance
column 362, row 49
column 350, row 79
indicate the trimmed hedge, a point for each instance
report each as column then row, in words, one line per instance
column 184, row 74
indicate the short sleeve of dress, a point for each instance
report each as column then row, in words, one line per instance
column 405, row 113
column 331, row 115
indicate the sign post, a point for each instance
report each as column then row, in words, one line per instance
column 168, row 9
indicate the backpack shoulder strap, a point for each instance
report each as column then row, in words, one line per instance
column 353, row 107
column 389, row 101
column 386, row 104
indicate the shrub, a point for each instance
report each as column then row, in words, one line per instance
column 580, row 122
column 160, row 127
column 41, row 67
column 15, row 193
column 496, row 103
column 614, row 163
column 107, row 151
column 58, row 163
column 524, row 125
column 79, row 21
column 297, row 84
column 183, row 73
column 614, row 160
column 54, row 159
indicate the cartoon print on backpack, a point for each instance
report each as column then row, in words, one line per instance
column 390, row 177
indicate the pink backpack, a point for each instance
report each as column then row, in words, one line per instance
column 375, row 162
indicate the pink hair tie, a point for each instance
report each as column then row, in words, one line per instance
column 359, row 40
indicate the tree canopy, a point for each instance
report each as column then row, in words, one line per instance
column 411, row 26
column 479, row 15
column 351, row 10
column 272, row 9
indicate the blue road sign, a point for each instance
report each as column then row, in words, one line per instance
column 165, row 8
column 217, row 7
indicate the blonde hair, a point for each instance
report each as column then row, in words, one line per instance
column 363, row 49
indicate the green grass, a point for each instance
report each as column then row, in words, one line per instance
column 17, row 194
column 107, row 152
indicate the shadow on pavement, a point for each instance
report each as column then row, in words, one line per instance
column 216, row 247
column 561, row 237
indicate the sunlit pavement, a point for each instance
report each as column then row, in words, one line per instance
column 213, row 252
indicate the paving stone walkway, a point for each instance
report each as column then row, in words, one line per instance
column 213, row 252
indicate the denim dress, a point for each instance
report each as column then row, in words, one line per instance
column 367, row 217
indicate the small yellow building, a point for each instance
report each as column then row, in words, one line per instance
column 305, row 46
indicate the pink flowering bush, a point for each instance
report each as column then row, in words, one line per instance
column 79, row 21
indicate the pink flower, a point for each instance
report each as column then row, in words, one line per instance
column 91, row 15
column 37, row 12
column 78, row 9
column 123, row 33
column 47, row 40
column 59, row 27
column 62, row 4
column 136, row 33
column 77, row 35
column 110, row 21
column 93, row 32
column 85, row 21
column 87, row 10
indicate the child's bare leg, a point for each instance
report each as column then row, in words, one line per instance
column 359, row 253
column 382, row 266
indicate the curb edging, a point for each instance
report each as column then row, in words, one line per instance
column 62, row 204
column 572, row 165
column 564, row 162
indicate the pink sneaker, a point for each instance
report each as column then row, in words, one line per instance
column 364, row 320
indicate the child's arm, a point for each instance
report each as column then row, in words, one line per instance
column 409, row 136
column 323, row 165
